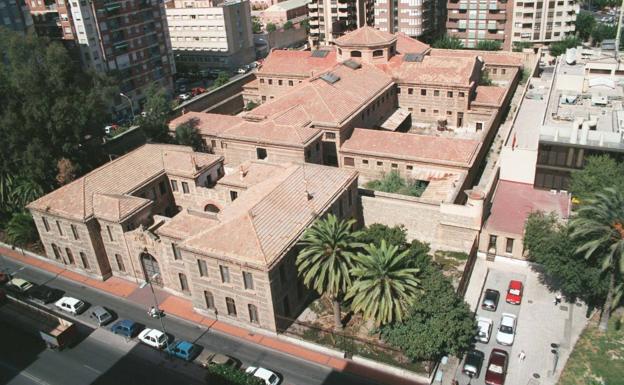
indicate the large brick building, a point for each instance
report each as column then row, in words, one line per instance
column 226, row 241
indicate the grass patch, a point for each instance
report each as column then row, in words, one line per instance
column 597, row 358
column 393, row 183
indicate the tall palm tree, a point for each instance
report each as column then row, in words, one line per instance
column 385, row 283
column 599, row 224
column 21, row 229
column 325, row 260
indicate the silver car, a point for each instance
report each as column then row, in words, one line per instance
column 101, row 315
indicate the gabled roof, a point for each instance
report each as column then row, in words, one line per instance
column 269, row 217
column 116, row 207
column 406, row 44
column 434, row 70
column 489, row 57
column 419, row 148
column 121, row 177
column 208, row 124
column 296, row 63
column 270, row 132
column 489, row 95
column 365, row 36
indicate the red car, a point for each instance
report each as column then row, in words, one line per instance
column 514, row 293
column 497, row 367
column 198, row 90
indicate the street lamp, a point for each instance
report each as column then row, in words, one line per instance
column 162, row 323
column 131, row 106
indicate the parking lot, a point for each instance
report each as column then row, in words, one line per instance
column 539, row 324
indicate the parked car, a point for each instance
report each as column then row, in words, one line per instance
column 497, row 367
column 507, row 329
column 153, row 337
column 184, row 350
column 44, row 294
column 19, row 285
column 71, row 305
column 125, row 327
column 472, row 363
column 198, row 91
column 207, row 358
column 514, row 292
column 490, row 300
column 485, row 329
column 185, row 96
column 269, row 377
column 110, row 129
column 101, row 315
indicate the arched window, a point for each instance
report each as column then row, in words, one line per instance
column 253, row 313
column 356, row 54
column 378, row 52
column 231, row 306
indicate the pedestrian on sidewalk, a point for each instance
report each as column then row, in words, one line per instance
column 522, row 355
column 557, row 300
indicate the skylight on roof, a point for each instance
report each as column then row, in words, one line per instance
column 320, row 53
column 330, row 78
column 413, row 57
column 352, row 64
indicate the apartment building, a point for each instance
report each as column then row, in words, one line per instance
column 542, row 22
column 14, row 15
column 330, row 19
column 414, row 18
column 127, row 39
column 227, row 241
column 210, row 34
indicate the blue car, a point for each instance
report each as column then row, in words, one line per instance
column 184, row 350
column 125, row 327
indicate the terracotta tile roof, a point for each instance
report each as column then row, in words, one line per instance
column 489, row 95
column 269, row 131
column 187, row 223
column 269, row 217
column 489, row 57
column 434, row 70
column 115, row 207
column 120, row 177
column 419, row 148
column 251, row 173
column 295, row 63
column 513, row 202
column 365, row 36
column 208, row 124
column 406, row 44
column 323, row 102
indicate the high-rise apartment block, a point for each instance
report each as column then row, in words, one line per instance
column 14, row 15
column 535, row 22
column 127, row 39
column 211, row 33
column 411, row 17
column 330, row 19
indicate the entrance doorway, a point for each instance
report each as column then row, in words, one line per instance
column 150, row 268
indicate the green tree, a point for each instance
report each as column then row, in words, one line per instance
column 270, row 27
column 439, row 321
column 222, row 79
column 448, row 42
column 559, row 47
column 549, row 244
column 489, row 45
column 378, row 232
column 288, row 25
column 306, row 24
column 519, row 46
column 326, row 259
column 187, row 134
column 585, row 24
column 385, row 284
column 157, row 109
column 21, row 229
column 485, row 80
column 602, row 32
column 256, row 24
column 49, row 109
column 600, row 225
column 600, row 171
column 394, row 183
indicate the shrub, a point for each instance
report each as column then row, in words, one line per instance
column 393, row 183
column 226, row 375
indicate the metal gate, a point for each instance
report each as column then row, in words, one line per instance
column 151, row 268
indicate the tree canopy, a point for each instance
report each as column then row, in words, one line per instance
column 559, row 47
column 489, row 45
column 599, row 172
column 448, row 42
column 377, row 232
column 585, row 23
column 157, row 109
column 188, row 135
column 601, row 32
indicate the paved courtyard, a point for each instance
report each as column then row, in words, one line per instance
column 539, row 324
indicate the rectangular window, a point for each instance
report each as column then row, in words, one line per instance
column 290, row 83
column 174, row 185
column 492, row 244
column 423, row 110
column 209, row 299
column 271, row 81
column 410, row 91
column 233, row 195
column 184, row 286
column 74, row 231
column 503, row 71
column 57, row 252
column 110, row 233
column 364, row 161
column 185, row 187
column 162, row 187
column 409, row 167
column 248, row 280
column 176, row 251
column 203, row 268
column 348, row 161
column 85, row 262
column 394, row 165
column 58, row 226
column 120, row 263
column 231, row 306
column 45, row 223
column 261, row 153
column 225, row 274
column 509, row 245
column 279, row 82
column 379, row 163
column 330, row 135
column 253, row 313
column 449, row 94
column 436, row 92
column 423, row 92
column 461, row 94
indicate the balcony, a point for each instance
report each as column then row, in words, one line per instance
column 313, row 13
column 452, row 6
column 492, row 25
column 313, row 5
column 463, row 6
column 497, row 16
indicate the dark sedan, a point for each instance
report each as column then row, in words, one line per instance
column 490, row 300
column 497, row 367
column 44, row 294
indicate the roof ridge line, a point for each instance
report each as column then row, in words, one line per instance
column 323, row 101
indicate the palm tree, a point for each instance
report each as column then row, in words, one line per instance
column 21, row 229
column 599, row 224
column 385, row 283
column 325, row 260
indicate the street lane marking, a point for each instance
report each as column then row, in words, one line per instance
column 92, row 369
column 24, row 373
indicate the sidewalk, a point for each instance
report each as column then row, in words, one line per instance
column 183, row 309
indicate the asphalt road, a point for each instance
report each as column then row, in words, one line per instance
column 115, row 359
